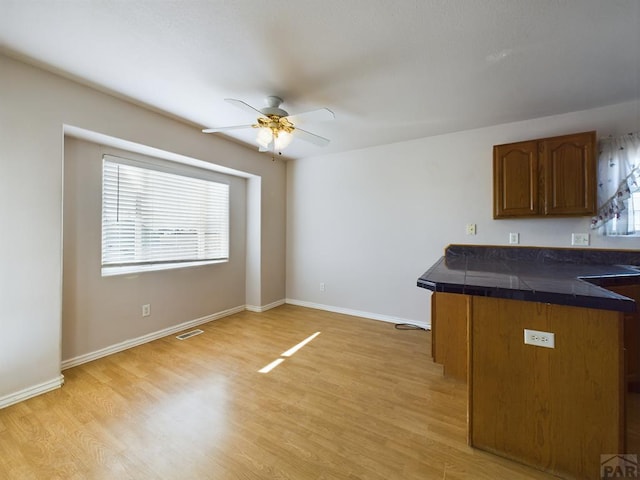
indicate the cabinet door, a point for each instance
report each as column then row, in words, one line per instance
column 569, row 167
column 515, row 180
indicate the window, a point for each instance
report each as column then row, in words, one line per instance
column 627, row 221
column 154, row 218
column 619, row 186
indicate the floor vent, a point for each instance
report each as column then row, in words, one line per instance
column 190, row 334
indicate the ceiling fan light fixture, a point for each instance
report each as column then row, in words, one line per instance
column 264, row 137
column 282, row 139
column 274, row 125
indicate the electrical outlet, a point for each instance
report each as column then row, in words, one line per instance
column 471, row 228
column 514, row 238
column 146, row 310
column 580, row 239
column 322, row 286
column 540, row 339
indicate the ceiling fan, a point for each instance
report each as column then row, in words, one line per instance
column 276, row 128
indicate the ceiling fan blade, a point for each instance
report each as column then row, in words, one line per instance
column 313, row 116
column 310, row 137
column 224, row 129
column 244, row 106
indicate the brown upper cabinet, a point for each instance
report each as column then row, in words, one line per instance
column 545, row 177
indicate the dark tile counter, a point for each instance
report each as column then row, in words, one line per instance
column 575, row 277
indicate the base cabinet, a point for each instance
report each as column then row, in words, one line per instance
column 449, row 340
column 556, row 409
column 631, row 337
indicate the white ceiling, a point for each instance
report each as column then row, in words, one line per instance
column 391, row 70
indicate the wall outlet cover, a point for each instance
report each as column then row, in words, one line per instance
column 539, row 339
column 580, row 239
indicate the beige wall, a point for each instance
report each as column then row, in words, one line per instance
column 368, row 223
column 35, row 107
column 99, row 312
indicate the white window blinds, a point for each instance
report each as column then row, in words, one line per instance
column 154, row 217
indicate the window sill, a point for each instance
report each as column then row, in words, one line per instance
column 129, row 269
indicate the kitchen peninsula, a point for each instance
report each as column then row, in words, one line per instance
column 558, row 406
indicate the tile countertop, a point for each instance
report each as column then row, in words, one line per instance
column 575, row 277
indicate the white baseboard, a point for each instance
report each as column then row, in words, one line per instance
column 31, row 391
column 264, row 308
column 134, row 342
column 357, row 313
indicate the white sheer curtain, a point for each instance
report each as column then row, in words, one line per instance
column 618, row 180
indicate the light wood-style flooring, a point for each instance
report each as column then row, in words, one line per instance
column 360, row 401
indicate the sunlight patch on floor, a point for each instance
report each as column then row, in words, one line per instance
column 288, row 353
column 271, row 366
